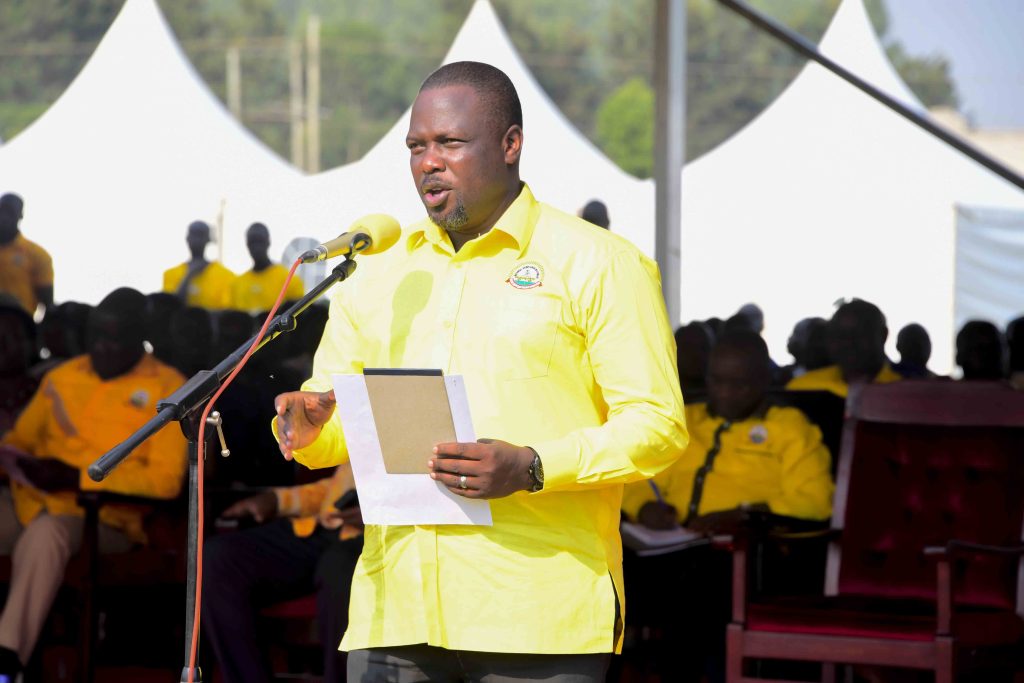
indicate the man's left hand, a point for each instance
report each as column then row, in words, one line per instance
column 491, row 468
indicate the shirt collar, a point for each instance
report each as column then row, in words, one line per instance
column 517, row 222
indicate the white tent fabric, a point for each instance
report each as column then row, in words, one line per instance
column 829, row 194
column 562, row 167
column 135, row 149
column 989, row 254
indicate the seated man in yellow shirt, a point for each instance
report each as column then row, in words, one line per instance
column 856, row 343
column 743, row 453
column 256, row 290
column 199, row 282
column 83, row 408
column 26, row 270
column 307, row 545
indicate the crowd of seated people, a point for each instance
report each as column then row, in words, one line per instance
column 750, row 453
column 85, row 377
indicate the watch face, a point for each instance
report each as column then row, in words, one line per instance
column 537, row 473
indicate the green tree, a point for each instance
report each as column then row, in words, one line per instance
column 625, row 126
column 928, row 77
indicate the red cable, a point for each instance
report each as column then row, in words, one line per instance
column 199, row 472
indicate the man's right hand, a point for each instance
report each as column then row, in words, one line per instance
column 300, row 417
column 261, row 507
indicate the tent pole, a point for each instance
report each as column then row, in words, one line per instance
column 669, row 145
column 313, row 94
column 807, row 49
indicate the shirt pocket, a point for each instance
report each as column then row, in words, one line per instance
column 525, row 330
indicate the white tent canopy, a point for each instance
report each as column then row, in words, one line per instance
column 989, row 254
column 562, row 167
column 829, row 194
column 135, row 149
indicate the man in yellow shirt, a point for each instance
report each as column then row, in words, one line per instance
column 256, row 290
column 83, row 408
column 743, row 452
column 561, row 335
column 199, row 282
column 26, row 270
column 856, row 343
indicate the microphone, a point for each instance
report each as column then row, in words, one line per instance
column 370, row 234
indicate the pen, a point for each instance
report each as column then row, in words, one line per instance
column 657, row 491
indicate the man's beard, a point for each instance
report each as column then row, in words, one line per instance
column 453, row 220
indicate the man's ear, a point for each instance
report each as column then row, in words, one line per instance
column 512, row 144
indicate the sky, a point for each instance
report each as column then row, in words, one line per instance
column 984, row 41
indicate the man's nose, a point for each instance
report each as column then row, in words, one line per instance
column 431, row 161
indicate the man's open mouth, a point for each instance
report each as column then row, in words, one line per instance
column 435, row 196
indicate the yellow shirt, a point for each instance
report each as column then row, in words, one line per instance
column 254, row 292
column 778, row 459
column 24, row 266
column 211, row 289
column 561, row 334
column 830, row 378
column 76, row 417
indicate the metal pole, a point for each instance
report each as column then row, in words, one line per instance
column 313, row 94
column 669, row 145
column 807, row 49
column 192, row 430
column 295, row 103
column 234, row 81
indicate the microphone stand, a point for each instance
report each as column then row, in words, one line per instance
column 185, row 406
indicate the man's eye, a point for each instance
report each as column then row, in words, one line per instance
column 450, row 142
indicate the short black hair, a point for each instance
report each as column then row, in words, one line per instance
column 495, row 87
column 13, row 202
column 128, row 306
column 745, row 343
column 865, row 312
column 596, row 212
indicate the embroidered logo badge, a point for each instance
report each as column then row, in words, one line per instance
column 140, row 399
column 758, row 434
column 526, row 276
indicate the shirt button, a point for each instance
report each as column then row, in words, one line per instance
column 448, row 324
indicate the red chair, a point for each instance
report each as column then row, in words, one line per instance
column 924, row 564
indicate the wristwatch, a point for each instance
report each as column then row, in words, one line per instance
column 536, row 473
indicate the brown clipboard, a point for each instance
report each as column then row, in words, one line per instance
column 411, row 411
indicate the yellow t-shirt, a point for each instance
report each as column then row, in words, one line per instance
column 777, row 459
column 830, row 378
column 211, row 289
column 561, row 334
column 24, row 266
column 76, row 417
column 254, row 292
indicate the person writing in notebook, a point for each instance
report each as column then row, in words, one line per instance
column 744, row 453
column 561, row 334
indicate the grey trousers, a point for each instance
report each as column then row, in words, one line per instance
column 39, row 555
column 427, row 664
